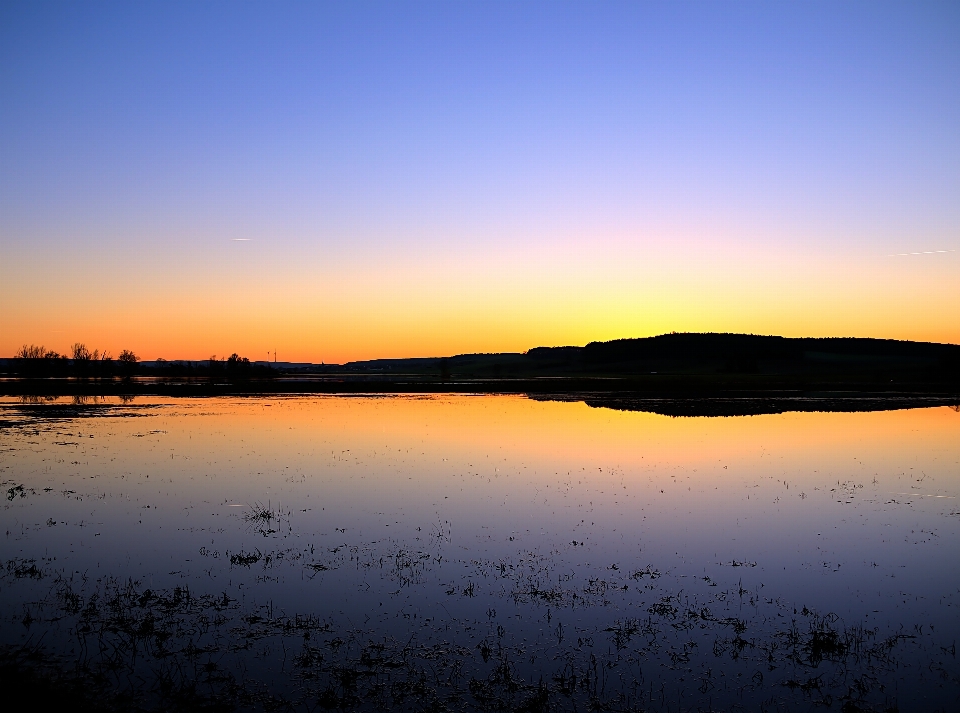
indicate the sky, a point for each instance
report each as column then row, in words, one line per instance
column 344, row 181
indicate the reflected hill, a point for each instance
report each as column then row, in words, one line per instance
column 756, row 406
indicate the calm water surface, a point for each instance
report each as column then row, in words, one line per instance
column 487, row 552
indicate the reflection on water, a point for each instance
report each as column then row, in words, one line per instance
column 766, row 404
column 485, row 551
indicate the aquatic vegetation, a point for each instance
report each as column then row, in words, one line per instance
column 173, row 642
column 20, row 568
column 245, row 559
column 259, row 513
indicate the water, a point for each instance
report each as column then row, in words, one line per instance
column 485, row 552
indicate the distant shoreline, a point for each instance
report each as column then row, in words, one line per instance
column 672, row 396
column 680, row 366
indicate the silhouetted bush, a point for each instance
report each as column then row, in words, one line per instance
column 128, row 363
column 238, row 367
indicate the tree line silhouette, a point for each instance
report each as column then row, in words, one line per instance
column 32, row 361
column 232, row 368
column 39, row 362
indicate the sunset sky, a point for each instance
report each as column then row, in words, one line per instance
column 359, row 180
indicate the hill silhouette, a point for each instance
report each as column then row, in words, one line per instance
column 696, row 353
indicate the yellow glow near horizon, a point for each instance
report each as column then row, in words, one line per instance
column 464, row 303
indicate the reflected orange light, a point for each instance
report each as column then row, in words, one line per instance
column 548, row 438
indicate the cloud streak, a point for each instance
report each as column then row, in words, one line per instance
column 924, row 252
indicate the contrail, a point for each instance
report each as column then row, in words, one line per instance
column 925, row 252
column 240, row 239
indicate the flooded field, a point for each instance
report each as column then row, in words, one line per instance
column 480, row 553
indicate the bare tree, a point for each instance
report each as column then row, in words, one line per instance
column 81, row 353
column 35, row 352
column 31, row 352
column 128, row 362
column 39, row 361
column 84, row 359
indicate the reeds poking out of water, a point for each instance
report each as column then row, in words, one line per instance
column 262, row 518
column 259, row 513
column 117, row 645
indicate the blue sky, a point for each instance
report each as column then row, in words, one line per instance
column 348, row 134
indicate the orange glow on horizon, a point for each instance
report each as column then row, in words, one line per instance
column 473, row 302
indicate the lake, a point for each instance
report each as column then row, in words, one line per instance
column 482, row 552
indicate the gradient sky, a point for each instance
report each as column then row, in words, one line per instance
column 360, row 180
